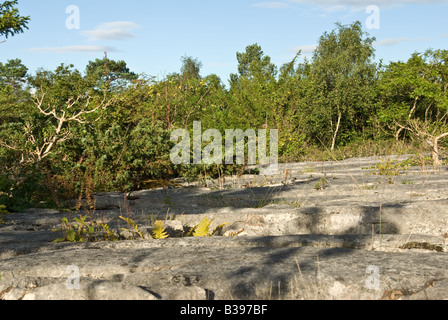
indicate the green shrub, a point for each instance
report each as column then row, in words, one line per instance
column 3, row 211
column 389, row 168
column 84, row 229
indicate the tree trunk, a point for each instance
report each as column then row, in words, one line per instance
column 435, row 148
column 336, row 132
column 397, row 134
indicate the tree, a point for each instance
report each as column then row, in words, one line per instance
column 11, row 23
column 30, row 143
column 181, row 98
column 415, row 98
column 251, row 90
column 191, row 68
column 109, row 73
column 253, row 62
column 13, row 95
column 342, row 79
column 288, row 109
column 61, row 98
column 13, row 73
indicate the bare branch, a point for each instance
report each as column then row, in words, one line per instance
column 45, row 148
column 7, row 146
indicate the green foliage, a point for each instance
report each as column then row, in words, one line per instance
column 11, row 22
column 409, row 88
column 158, row 232
column 342, row 77
column 414, row 99
column 84, row 229
column 13, row 93
column 106, row 73
column 190, row 68
column 420, row 160
column 133, row 228
column 3, row 211
column 19, row 187
column 253, row 62
column 133, row 155
column 109, row 129
column 389, row 168
column 322, row 184
column 203, row 229
column 108, row 234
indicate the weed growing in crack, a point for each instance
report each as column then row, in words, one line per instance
column 203, row 229
column 322, row 184
column 83, row 229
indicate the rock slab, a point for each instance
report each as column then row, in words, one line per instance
column 358, row 236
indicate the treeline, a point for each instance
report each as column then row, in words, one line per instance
column 64, row 132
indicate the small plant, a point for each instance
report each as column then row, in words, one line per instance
column 133, row 229
column 3, row 211
column 84, row 230
column 321, row 185
column 272, row 193
column 291, row 203
column 389, row 168
column 203, row 229
column 295, row 203
column 70, row 234
column 419, row 160
column 159, row 231
column 109, row 235
column 308, row 170
column 78, row 231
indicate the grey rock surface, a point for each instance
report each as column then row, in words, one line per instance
column 359, row 236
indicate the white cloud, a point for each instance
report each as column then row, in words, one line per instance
column 119, row 30
column 271, row 5
column 73, row 49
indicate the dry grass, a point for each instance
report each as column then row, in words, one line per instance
column 364, row 148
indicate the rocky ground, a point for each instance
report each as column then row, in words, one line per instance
column 320, row 230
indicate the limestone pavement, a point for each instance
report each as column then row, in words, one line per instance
column 318, row 230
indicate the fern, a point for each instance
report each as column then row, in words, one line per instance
column 110, row 235
column 135, row 229
column 203, row 229
column 84, row 230
column 159, row 231
column 218, row 229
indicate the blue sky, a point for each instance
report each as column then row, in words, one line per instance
column 152, row 36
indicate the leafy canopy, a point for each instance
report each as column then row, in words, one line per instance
column 11, row 22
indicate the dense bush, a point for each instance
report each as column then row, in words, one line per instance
column 64, row 133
